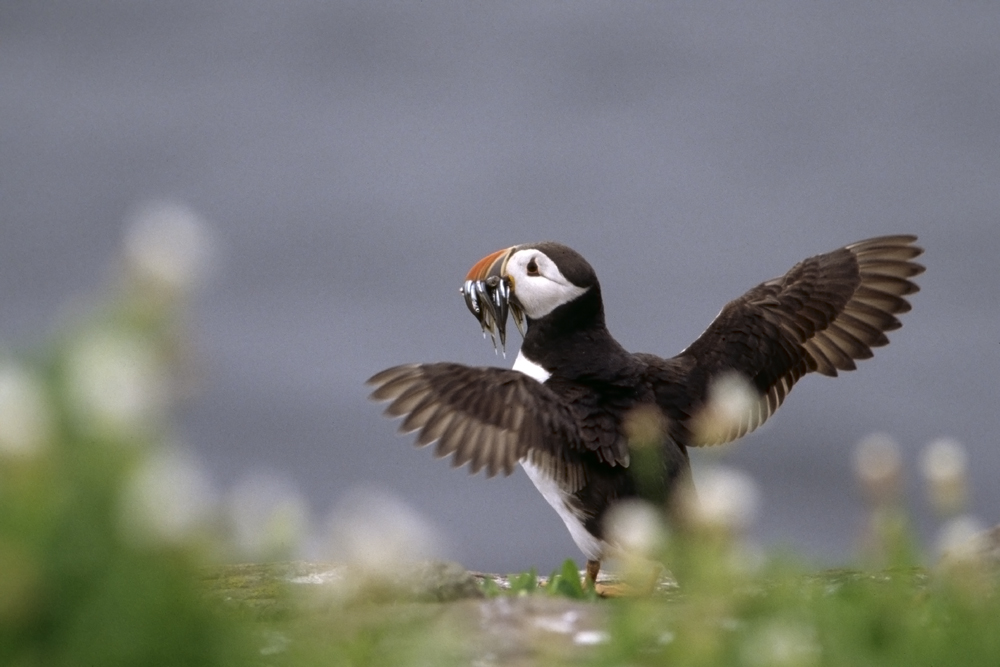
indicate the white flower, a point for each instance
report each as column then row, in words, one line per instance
column 376, row 532
column 167, row 245
column 944, row 465
column 962, row 540
column 116, row 384
column 730, row 403
column 636, row 527
column 879, row 464
column 25, row 417
column 733, row 396
column 168, row 499
column 782, row 643
column 725, row 498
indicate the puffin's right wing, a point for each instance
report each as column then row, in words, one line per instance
column 825, row 313
column 487, row 417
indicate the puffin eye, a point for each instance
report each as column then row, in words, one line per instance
column 532, row 267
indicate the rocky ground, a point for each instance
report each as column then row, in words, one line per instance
column 502, row 629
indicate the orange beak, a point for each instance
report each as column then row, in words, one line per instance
column 488, row 295
column 491, row 265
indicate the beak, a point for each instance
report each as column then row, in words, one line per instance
column 489, row 295
column 491, row 265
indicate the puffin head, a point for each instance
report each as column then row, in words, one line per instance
column 529, row 280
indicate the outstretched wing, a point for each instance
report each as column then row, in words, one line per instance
column 487, row 417
column 821, row 316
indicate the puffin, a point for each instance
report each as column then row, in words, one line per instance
column 567, row 411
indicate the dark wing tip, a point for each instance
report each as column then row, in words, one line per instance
column 890, row 240
column 389, row 374
column 884, row 270
column 395, row 384
column 885, row 266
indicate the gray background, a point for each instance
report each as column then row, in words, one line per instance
column 355, row 159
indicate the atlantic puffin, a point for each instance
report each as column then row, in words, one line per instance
column 562, row 412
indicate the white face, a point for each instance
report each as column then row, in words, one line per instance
column 538, row 283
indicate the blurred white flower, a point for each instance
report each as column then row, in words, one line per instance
column 962, row 540
column 167, row 246
column 116, row 383
column 733, row 395
column 645, row 426
column 636, row 527
column 376, row 532
column 724, row 499
column 168, row 499
column 782, row 643
column 269, row 517
column 728, row 410
column 944, row 465
column 878, row 465
column 25, row 417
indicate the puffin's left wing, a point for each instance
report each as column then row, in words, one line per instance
column 487, row 417
column 821, row 316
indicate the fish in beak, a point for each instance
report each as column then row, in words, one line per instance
column 489, row 294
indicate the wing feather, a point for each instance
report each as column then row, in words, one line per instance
column 452, row 439
column 825, row 314
column 489, row 418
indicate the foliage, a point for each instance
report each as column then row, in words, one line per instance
column 567, row 582
column 101, row 530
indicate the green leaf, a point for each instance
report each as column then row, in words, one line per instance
column 567, row 582
column 525, row 582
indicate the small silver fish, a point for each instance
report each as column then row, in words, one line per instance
column 491, row 301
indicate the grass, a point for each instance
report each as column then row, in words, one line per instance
column 780, row 614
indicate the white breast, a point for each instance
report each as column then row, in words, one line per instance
column 555, row 496
column 591, row 547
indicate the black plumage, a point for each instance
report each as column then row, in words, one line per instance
column 824, row 314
